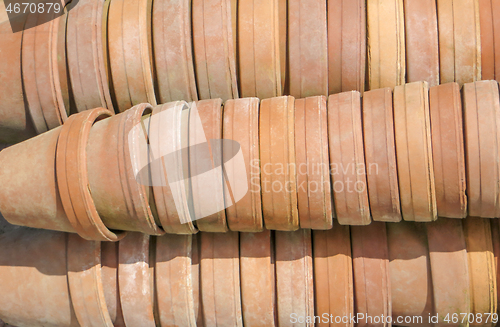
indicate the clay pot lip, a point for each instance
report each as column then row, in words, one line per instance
column 131, row 118
column 159, row 191
column 86, row 219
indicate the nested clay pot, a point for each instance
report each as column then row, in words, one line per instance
column 173, row 53
column 44, row 71
column 380, row 155
column 414, row 152
column 85, row 42
column 410, row 271
column 347, row 159
column 174, row 283
column 130, row 53
column 459, row 41
column 385, row 43
column 333, row 275
column 422, row 49
column 220, row 279
column 346, row 45
column 16, row 124
column 33, row 279
column 171, row 188
column 307, row 48
column 259, row 49
column 117, row 164
column 315, row 202
column 489, row 15
column 277, row 155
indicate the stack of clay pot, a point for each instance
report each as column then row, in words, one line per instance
column 381, row 156
column 119, row 53
column 378, row 274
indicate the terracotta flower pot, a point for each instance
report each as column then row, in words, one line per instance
column 241, row 124
column 14, row 114
column 259, row 49
column 44, row 72
column 85, row 42
column 33, row 279
column 257, row 267
column 448, row 150
column 130, row 53
column 380, row 155
column 347, row 164
column 314, row 195
column 481, row 107
column 459, row 41
column 489, row 17
column 294, row 277
column 307, row 48
column 167, row 135
column 109, row 276
column 214, row 49
column 173, row 53
column 410, row 271
column 449, row 270
column 422, row 49
column 174, row 285
column 414, row 152
column 115, row 157
column 346, row 45
column 385, row 43
column 220, row 279
column 333, row 278
column 372, row 282
column 277, row 155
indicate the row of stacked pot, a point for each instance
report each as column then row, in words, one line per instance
column 248, row 165
column 119, row 53
column 443, row 273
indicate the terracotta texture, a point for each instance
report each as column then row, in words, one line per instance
column 136, row 280
column 130, row 53
column 489, row 12
column 372, row 285
column 283, row 42
column 459, row 41
column 123, row 199
column 220, row 279
column 481, row 107
column 73, row 184
column 210, row 114
column 85, row 282
column 44, row 72
column 259, row 57
column 214, row 49
column 449, row 269
column 411, row 280
column 16, row 124
column 173, row 53
column 346, row 45
column 174, row 286
column 495, row 237
column 385, row 43
column 34, row 289
column 333, row 278
column 86, row 61
column 241, row 124
column 414, row 152
column 32, row 162
column 166, row 130
column 313, row 174
column 258, row 284
column 422, row 49
column 294, row 276
column 277, row 155
column 448, row 150
column 380, row 155
column 347, row 164
column 307, row 48
column 195, row 276
column 109, row 276
column 482, row 274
